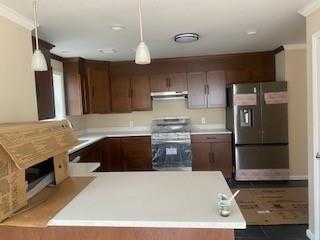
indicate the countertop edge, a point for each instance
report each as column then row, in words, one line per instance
column 149, row 224
column 93, row 135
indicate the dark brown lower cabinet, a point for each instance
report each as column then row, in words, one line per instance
column 136, row 153
column 212, row 153
column 113, row 158
column 92, row 153
column 128, row 154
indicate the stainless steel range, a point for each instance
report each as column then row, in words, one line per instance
column 171, row 144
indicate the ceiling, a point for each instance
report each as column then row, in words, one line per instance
column 81, row 27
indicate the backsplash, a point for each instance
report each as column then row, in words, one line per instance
column 162, row 108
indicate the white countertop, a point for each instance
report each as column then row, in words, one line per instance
column 82, row 169
column 93, row 135
column 151, row 199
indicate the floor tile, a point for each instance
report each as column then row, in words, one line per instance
column 273, row 184
column 285, row 231
column 238, row 184
column 251, row 231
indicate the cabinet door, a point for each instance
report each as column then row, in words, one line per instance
column 201, row 156
column 216, row 81
column 121, row 94
column 177, row 82
column 99, row 87
column 159, row 82
column 45, row 94
column 197, row 97
column 113, row 158
column 238, row 76
column 136, row 153
column 72, row 84
column 141, row 99
column 222, row 158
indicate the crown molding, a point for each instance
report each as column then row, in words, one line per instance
column 16, row 17
column 295, row 46
column 310, row 8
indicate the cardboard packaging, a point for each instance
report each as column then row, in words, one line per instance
column 23, row 145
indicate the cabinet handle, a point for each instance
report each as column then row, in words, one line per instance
column 212, row 155
column 169, row 81
column 211, row 138
column 208, row 89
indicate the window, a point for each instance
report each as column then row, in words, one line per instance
column 59, row 100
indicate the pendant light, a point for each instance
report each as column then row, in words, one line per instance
column 39, row 62
column 142, row 53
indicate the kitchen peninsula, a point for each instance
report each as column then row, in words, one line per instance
column 141, row 205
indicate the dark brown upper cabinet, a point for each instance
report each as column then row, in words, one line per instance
column 173, row 82
column 121, row 94
column 44, row 85
column 197, row 92
column 216, row 89
column 87, row 86
column 140, row 95
column 238, row 76
column 99, row 86
column 131, row 93
column 206, row 89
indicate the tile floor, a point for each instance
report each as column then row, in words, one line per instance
column 276, row 232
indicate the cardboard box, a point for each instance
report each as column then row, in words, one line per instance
column 23, row 145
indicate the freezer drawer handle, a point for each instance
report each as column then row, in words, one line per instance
column 211, row 138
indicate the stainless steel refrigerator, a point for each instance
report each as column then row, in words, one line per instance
column 258, row 117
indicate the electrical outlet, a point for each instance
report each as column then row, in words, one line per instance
column 131, row 124
column 203, row 120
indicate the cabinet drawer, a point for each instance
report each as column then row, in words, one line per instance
column 204, row 138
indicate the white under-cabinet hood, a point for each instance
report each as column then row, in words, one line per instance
column 169, row 95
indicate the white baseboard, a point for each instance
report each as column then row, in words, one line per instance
column 298, row 177
column 310, row 234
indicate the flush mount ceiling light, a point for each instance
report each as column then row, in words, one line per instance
column 251, row 32
column 186, row 37
column 38, row 62
column 117, row 27
column 142, row 53
column 107, row 51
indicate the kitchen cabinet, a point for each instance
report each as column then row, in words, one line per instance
column 91, row 153
column 121, row 94
column 206, row 89
column 140, row 94
column 113, row 158
column 131, row 93
column 136, row 153
column 99, row 86
column 128, row 154
column 87, row 86
column 44, row 85
column 238, row 76
column 172, row 82
column 197, row 97
column 212, row 153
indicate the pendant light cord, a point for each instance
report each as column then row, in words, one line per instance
column 140, row 20
column 36, row 23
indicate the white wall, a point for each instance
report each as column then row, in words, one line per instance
column 17, row 83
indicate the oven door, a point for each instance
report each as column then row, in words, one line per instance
column 171, row 155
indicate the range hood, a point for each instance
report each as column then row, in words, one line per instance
column 169, row 95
